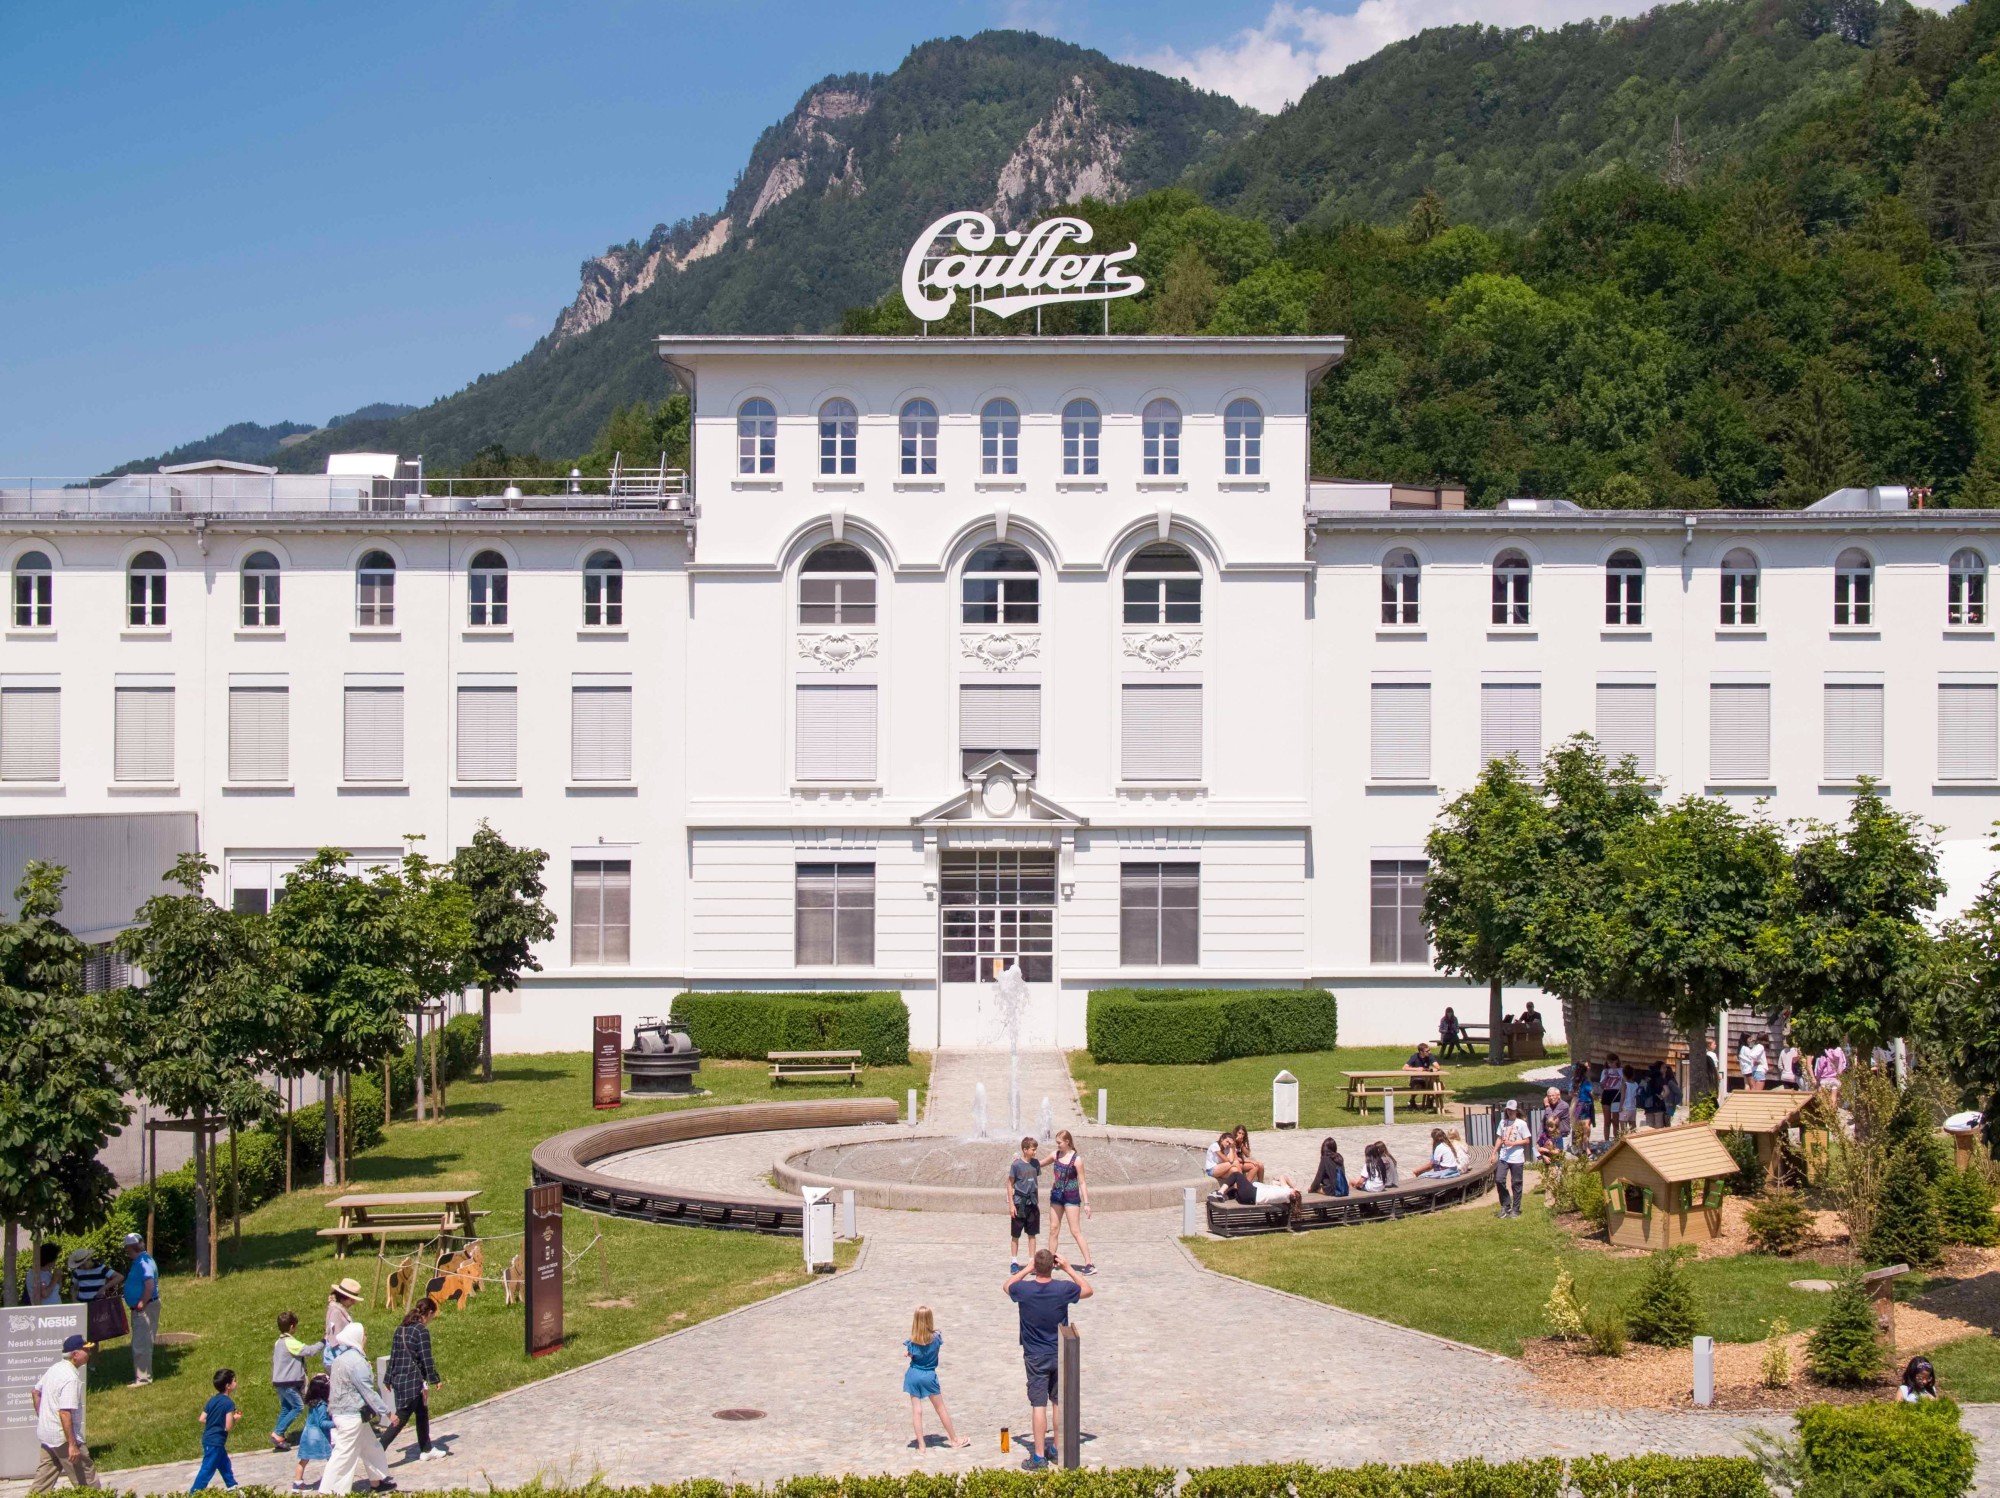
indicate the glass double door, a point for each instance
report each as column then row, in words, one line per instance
column 995, row 907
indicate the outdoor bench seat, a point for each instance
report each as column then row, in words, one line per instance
column 790, row 1065
column 1417, row 1194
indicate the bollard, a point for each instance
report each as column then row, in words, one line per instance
column 1388, row 1107
column 847, row 1215
column 1101, row 1096
column 1190, row 1220
column 1704, row 1371
column 913, row 1107
column 1070, row 1396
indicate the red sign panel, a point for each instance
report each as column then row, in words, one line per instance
column 544, row 1269
column 607, row 1073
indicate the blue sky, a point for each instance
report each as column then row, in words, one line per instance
column 214, row 213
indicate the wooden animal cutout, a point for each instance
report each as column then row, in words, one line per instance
column 402, row 1281
column 458, row 1278
column 513, row 1282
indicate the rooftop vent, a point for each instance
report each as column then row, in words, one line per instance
column 1540, row 507
column 1876, row 497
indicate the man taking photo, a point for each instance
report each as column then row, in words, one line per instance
column 1044, row 1303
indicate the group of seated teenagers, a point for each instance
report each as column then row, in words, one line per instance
column 1240, row 1178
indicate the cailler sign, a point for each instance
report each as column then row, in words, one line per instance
column 1034, row 269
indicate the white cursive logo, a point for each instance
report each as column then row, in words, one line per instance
column 1031, row 272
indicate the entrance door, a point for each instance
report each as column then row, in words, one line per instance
column 996, row 906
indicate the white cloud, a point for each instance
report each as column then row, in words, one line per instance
column 1270, row 65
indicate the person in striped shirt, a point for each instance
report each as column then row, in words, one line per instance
column 86, row 1275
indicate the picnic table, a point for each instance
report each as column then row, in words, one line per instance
column 1469, row 1031
column 1424, row 1089
column 403, row 1214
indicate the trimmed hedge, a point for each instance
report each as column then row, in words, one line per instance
column 1846, row 1449
column 1193, row 1026
column 749, row 1026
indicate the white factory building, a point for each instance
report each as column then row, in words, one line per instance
column 956, row 651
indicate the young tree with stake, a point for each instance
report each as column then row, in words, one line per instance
column 508, row 918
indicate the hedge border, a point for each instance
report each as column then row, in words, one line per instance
column 1198, row 1026
column 748, row 1025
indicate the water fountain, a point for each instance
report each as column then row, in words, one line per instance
column 1048, row 1120
column 1011, row 994
column 978, row 1110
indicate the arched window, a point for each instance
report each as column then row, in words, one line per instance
column 1401, row 579
column 757, row 436
column 1739, row 588
column 146, row 591
column 839, row 428
column 1161, row 434
column 1965, row 600
column 375, row 590
column 918, row 430
column 603, row 591
column 1853, row 588
column 1625, row 589
column 1002, row 586
column 1000, row 437
column 259, row 591
column 1512, row 579
column 1243, row 438
column 1162, row 586
column 837, row 586
column 486, row 591
column 1081, row 426
column 34, row 591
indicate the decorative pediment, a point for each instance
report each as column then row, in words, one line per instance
column 1001, row 650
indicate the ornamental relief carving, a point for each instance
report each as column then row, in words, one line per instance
column 838, row 651
column 1004, row 650
column 1163, row 650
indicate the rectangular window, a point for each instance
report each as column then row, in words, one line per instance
column 836, row 732
column 1626, row 717
column 142, row 733
column 993, row 715
column 371, row 746
column 1510, row 722
column 833, row 920
column 487, row 732
column 1161, row 734
column 1400, row 730
column 1159, row 914
column 1853, row 730
column 30, row 732
column 1739, row 732
column 600, row 919
column 600, row 730
column 1968, row 744
column 260, row 733
column 1396, row 911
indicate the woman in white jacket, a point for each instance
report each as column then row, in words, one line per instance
column 351, row 1394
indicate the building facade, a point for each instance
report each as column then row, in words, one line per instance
column 958, row 652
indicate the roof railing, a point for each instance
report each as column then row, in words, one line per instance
column 635, row 489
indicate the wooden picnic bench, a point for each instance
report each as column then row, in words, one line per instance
column 403, row 1214
column 787, row 1065
column 1424, row 1089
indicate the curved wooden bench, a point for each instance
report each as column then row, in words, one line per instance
column 1419, row 1194
column 566, row 1160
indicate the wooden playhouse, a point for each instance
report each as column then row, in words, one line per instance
column 1664, row 1186
column 1765, row 1116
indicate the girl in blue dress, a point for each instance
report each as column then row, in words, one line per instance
column 920, row 1380
column 316, row 1437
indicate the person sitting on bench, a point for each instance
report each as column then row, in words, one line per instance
column 1444, row 1162
column 1448, row 1030
column 1240, row 1136
column 1380, row 1166
column 1422, row 1059
column 1331, row 1178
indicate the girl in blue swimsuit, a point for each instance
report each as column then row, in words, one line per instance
column 1069, row 1193
column 920, row 1380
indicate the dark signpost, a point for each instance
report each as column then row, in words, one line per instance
column 607, row 1072
column 544, row 1266
column 1069, row 1395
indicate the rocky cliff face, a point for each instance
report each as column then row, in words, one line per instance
column 1072, row 153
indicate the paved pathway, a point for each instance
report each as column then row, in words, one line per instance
column 1181, row 1367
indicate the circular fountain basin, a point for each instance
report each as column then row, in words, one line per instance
column 934, row 1173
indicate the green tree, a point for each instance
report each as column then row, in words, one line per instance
column 508, row 918
column 1961, row 1016
column 1186, row 298
column 1907, row 1227
column 1485, row 851
column 1845, row 1349
column 1664, row 1309
column 61, row 1055
column 1965, row 1207
column 211, row 1015
column 1426, row 219
column 432, row 915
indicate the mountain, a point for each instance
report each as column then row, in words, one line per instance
column 247, row 442
column 1490, row 119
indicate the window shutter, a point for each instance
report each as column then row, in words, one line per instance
column 1853, row 730
column 1626, row 717
column 1510, row 721
column 30, row 733
column 143, row 734
column 1162, row 731
column 259, row 733
column 487, row 738
column 1968, row 743
column 600, row 912
column 600, row 733
column 836, row 733
column 996, row 716
column 372, row 735
column 1400, row 731
column 1739, row 732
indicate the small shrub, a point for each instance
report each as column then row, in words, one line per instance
column 1703, row 1108
column 1564, row 1312
column 1195, row 1026
column 1749, row 1177
column 1604, row 1329
column 1848, row 1449
column 1666, row 1477
column 749, row 1026
column 1906, row 1227
column 1665, row 1311
column 1845, row 1349
column 1778, row 1222
column 1776, row 1365
column 1965, row 1201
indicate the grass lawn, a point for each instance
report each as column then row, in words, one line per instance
column 672, row 1277
column 1969, row 1369
column 1463, row 1275
column 1225, row 1093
